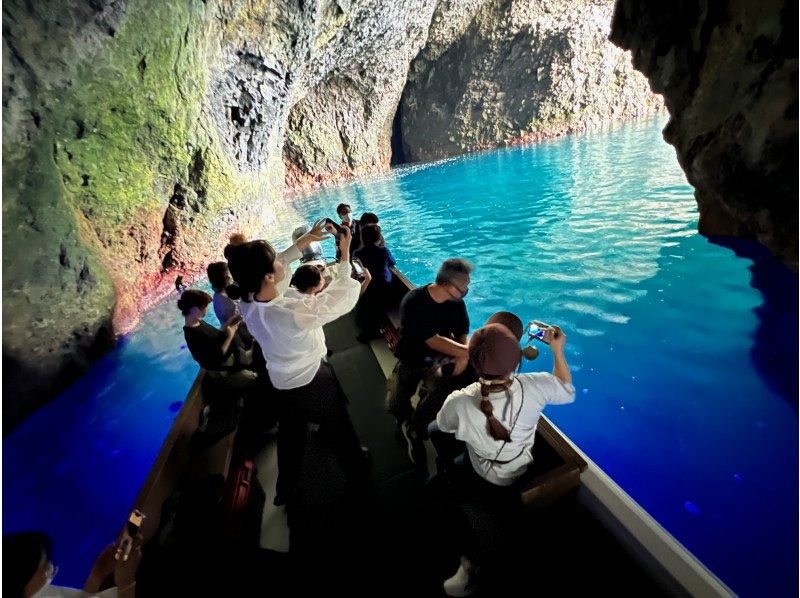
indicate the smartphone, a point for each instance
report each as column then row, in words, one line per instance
column 135, row 522
column 536, row 330
column 358, row 267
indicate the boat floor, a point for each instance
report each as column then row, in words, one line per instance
column 382, row 539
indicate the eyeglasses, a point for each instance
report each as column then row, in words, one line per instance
column 463, row 292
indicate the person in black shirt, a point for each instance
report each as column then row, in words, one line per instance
column 432, row 347
column 213, row 349
column 345, row 214
column 231, row 371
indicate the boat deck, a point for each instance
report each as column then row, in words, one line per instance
column 385, row 540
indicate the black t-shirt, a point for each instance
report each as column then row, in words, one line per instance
column 421, row 318
column 205, row 344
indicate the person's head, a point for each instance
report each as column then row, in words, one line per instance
column 368, row 218
column 234, row 240
column 344, row 211
column 494, row 352
column 454, row 277
column 219, row 276
column 308, row 279
column 193, row 303
column 252, row 264
column 300, row 231
column 27, row 563
column 371, row 235
column 510, row 321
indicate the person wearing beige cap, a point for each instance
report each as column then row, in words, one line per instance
column 496, row 418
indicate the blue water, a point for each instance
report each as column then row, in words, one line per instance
column 684, row 351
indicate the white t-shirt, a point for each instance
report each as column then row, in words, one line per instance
column 461, row 415
column 289, row 328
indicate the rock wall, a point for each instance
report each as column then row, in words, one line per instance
column 517, row 71
column 728, row 74
column 138, row 134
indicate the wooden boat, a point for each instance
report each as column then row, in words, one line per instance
column 577, row 508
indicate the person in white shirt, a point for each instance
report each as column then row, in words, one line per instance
column 288, row 326
column 496, row 418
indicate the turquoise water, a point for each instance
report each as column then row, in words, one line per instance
column 684, row 351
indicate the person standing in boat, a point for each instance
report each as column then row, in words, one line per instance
column 496, row 419
column 432, row 347
column 289, row 329
column 378, row 261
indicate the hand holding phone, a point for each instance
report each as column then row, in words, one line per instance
column 359, row 268
column 537, row 330
column 332, row 227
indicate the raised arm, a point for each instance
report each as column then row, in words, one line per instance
column 557, row 339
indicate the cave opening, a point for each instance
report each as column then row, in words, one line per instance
column 398, row 154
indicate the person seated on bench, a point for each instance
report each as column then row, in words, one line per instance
column 224, row 307
column 289, row 329
column 432, row 347
column 377, row 261
column 496, row 418
column 214, row 349
column 28, row 569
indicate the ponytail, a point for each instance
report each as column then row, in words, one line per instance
column 496, row 429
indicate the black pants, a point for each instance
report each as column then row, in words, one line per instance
column 479, row 517
column 322, row 402
column 403, row 384
column 371, row 309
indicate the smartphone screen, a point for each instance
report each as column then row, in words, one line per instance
column 536, row 330
column 135, row 522
column 358, row 268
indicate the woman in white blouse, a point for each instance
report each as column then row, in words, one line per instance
column 288, row 326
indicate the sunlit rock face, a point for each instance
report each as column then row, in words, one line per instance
column 728, row 73
column 516, row 71
column 340, row 124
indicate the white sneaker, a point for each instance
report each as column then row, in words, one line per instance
column 458, row 585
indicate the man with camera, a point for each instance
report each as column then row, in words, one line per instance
column 432, row 349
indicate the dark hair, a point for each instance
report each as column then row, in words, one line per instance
column 370, row 235
column 452, row 269
column 249, row 263
column 218, row 275
column 22, row 553
column 306, row 277
column 368, row 218
column 343, row 207
column 191, row 299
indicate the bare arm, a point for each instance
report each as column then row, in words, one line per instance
column 230, row 331
column 447, row 346
column 557, row 339
column 365, row 282
column 317, row 233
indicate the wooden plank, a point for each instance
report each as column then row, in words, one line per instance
column 547, row 488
